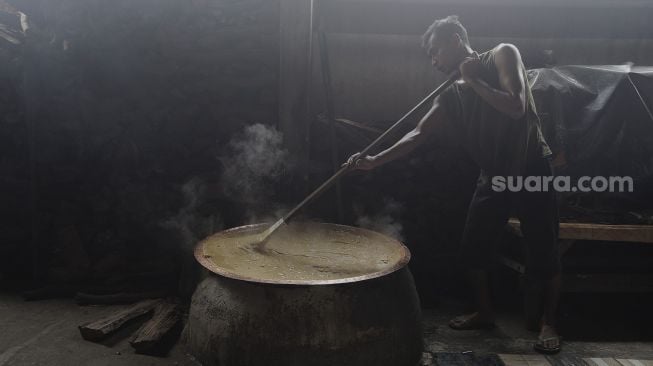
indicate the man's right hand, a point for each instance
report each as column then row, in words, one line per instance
column 361, row 163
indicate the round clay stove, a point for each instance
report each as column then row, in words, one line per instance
column 315, row 294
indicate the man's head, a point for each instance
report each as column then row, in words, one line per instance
column 446, row 43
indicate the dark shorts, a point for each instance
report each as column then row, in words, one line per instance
column 537, row 211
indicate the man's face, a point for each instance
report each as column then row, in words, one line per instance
column 443, row 53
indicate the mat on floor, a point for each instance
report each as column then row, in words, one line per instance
column 472, row 359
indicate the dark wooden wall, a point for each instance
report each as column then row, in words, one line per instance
column 379, row 69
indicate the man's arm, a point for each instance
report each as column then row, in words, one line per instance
column 425, row 128
column 511, row 98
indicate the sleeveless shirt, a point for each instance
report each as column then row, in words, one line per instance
column 499, row 144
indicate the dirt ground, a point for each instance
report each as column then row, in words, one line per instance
column 45, row 333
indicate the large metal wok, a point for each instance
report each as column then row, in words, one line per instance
column 321, row 294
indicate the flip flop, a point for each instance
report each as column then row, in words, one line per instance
column 539, row 346
column 470, row 325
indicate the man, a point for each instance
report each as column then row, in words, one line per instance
column 493, row 114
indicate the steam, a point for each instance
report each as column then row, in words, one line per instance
column 385, row 221
column 190, row 224
column 253, row 164
column 253, row 167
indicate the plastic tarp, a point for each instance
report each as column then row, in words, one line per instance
column 598, row 122
column 598, row 116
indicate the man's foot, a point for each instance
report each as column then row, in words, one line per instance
column 548, row 342
column 471, row 322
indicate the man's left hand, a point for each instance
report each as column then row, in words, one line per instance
column 470, row 67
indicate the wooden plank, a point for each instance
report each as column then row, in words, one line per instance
column 100, row 329
column 151, row 337
column 602, row 232
column 587, row 231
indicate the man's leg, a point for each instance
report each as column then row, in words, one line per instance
column 551, row 298
column 548, row 339
column 480, row 282
column 486, row 218
column 538, row 214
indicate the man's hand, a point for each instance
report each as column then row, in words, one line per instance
column 470, row 68
column 360, row 163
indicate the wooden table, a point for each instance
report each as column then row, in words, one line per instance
column 570, row 232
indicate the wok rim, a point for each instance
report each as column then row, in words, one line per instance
column 212, row 267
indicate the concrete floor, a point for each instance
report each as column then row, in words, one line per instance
column 619, row 334
column 45, row 333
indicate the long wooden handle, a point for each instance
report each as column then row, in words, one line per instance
column 452, row 79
